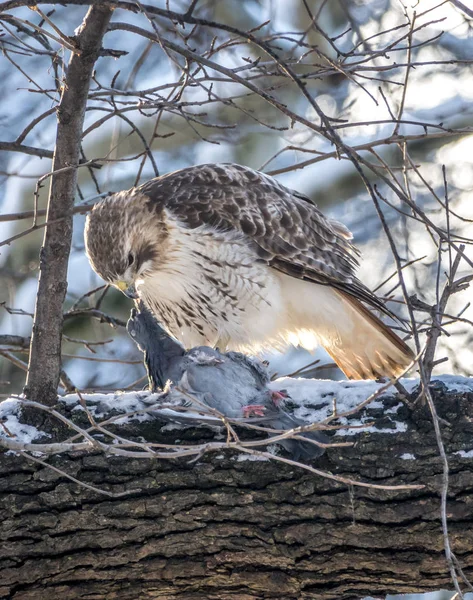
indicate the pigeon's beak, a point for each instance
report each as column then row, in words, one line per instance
column 128, row 290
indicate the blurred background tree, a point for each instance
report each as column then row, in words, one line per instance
column 283, row 86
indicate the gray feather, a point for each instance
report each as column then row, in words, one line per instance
column 227, row 382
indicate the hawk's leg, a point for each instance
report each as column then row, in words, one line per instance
column 161, row 352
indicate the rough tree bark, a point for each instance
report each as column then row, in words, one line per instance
column 45, row 351
column 222, row 528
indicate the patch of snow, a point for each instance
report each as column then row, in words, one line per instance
column 465, row 453
column 397, row 427
column 249, row 457
column 315, row 398
column 10, row 425
column 455, row 383
column 313, row 401
column 171, row 427
column 407, row 456
column 100, row 405
column 123, row 402
column 309, row 391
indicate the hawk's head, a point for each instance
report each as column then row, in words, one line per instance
column 124, row 239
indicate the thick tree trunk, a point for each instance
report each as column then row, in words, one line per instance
column 223, row 527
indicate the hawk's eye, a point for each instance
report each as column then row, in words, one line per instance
column 131, row 259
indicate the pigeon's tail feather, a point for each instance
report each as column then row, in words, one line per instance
column 279, row 419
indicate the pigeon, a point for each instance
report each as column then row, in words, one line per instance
column 231, row 383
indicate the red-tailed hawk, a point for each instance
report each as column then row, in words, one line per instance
column 226, row 256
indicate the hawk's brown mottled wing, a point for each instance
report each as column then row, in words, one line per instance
column 287, row 229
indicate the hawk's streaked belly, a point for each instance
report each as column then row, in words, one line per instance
column 213, row 290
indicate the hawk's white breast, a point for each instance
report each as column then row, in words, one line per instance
column 212, row 289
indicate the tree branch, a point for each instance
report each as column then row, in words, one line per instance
column 45, row 356
column 282, row 530
column 30, row 150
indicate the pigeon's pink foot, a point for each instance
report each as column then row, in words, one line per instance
column 253, row 410
column 278, row 396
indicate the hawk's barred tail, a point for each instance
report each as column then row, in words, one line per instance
column 369, row 349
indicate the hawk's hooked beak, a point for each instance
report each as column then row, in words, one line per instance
column 128, row 290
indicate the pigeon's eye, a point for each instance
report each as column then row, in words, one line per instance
column 131, row 259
